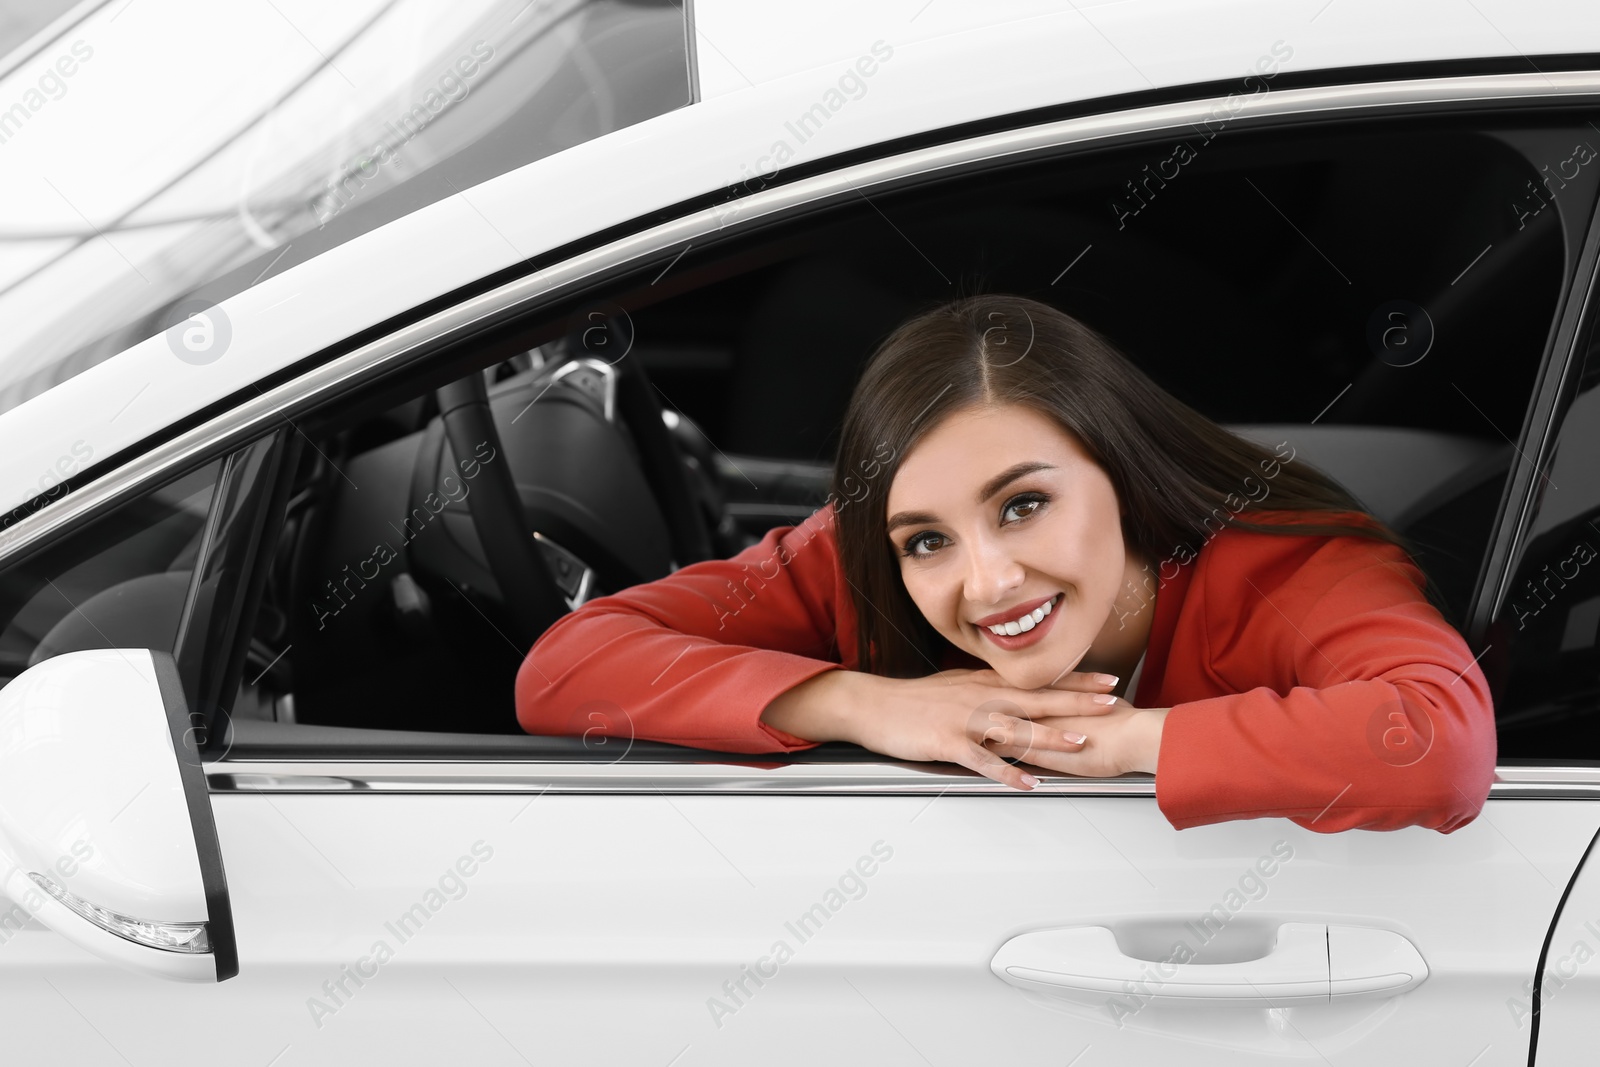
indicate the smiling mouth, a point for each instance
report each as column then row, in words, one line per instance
column 1025, row 622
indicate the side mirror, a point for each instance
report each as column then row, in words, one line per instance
column 106, row 831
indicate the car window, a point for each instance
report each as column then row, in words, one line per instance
column 1544, row 646
column 122, row 581
column 1259, row 278
column 1256, row 276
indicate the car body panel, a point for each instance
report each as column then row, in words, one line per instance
column 1154, row 42
column 601, row 928
column 1565, row 1014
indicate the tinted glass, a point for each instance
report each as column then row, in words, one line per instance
column 121, row 582
column 1543, row 657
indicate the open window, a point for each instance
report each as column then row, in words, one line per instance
column 1318, row 283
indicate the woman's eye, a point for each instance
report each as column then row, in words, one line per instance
column 922, row 545
column 1022, row 507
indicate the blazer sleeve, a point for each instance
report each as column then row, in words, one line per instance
column 695, row 657
column 1385, row 721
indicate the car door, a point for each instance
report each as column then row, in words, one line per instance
column 624, row 904
column 405, row 902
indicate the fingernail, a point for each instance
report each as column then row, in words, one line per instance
column 1076, row 739
column 1030, row 781
column 1104, row 698
column 1107, row 679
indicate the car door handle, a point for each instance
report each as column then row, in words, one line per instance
column 1309, row 963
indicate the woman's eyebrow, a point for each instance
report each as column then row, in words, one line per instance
column 910, row 518
column 988, row 490
column 1009, row 475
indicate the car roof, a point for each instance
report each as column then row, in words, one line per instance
column 1154, row 42
column 952, row 64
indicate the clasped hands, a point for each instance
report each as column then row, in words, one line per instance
column 973, row 718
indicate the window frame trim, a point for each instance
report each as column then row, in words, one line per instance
column 886, row 778
column 251, row 492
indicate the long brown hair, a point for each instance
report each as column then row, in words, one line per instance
column 1174, row 470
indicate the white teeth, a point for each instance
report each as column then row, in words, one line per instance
column 1024, row 624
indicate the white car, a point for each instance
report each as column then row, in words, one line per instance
column 263, row 799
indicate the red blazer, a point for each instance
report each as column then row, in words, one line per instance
column 1308, row 676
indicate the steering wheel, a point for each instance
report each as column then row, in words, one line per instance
column 532, row 595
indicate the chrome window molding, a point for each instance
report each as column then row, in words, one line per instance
column 521, row 776
column 795, row 779
column 257, row 414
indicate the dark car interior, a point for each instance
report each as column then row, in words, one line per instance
column 679, row 415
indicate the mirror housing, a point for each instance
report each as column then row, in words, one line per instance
column 106, row 829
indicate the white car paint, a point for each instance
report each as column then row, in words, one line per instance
column 114, row 830
column 603, row 929
column 1145, row 42
column 1565, row 1013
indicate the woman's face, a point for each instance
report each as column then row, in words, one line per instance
column 998, row 516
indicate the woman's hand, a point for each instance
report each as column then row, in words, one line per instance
column 1120, row 738
column 1123, row 739
column 970, row 717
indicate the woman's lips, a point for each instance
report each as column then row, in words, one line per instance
column 1015, row 613
column 1022, row 640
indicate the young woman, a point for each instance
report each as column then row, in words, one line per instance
column 1019, row 520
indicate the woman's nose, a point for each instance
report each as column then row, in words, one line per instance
column 992, row 573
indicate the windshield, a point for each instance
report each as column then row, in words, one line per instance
column 162, row 151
